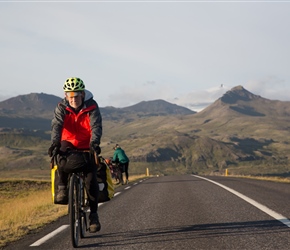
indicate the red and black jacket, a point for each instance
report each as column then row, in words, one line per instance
column 80, row 128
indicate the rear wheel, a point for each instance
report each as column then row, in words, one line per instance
column 74, row 210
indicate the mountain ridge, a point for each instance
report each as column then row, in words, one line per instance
column 238, row 131
column 42, row 105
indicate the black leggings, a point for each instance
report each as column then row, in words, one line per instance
column 124, row 168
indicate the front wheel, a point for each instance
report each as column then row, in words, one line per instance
column 74, row 210
column 83, row 215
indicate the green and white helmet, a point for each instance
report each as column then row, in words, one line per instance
column 73, row 84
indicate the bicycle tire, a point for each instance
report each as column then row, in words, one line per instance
column 83, row 213
column 83, row 226
column 74, row 210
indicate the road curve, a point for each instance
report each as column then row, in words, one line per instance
column 183, row 212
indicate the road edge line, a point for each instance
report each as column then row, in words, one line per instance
column 49, row 236
column 256, row 204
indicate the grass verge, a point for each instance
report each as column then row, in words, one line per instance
column 275, row 179
column 26, row 206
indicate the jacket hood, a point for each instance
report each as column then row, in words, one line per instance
column 88, row 95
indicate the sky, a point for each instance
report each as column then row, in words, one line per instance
column 184, row 52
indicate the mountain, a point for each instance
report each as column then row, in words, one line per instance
column 239, row 101
column 42, row 105
column 34, row 104
column 240, row 131
column 158, row 107
column 144, row 109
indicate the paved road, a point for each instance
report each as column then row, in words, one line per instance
column 185, row 212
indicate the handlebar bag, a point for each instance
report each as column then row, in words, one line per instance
column 73, row 162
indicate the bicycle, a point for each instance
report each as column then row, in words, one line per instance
column 78, row 205
column 114, row 169
column 117, row 173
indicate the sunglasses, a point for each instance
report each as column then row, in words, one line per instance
column 73, row 94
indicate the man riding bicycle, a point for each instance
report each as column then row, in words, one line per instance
column 77, row 126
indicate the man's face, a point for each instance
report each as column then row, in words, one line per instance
column 74, row 98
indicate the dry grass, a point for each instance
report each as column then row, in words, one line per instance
column 24, row 208
column 275, row 179
column 21, row 216
column 26, row 205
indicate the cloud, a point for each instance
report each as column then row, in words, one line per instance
column 152, row 90
column 4, row 97
column 127, row 52
column 271, row 87
column 199, row 99
column 196, row 100
column 127, row 95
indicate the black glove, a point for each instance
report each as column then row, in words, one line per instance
column 95, row 148
column 53, row 149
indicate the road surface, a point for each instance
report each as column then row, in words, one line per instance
column 183, row 212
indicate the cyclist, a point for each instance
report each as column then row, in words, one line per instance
column 77, row 124
column 122, row 159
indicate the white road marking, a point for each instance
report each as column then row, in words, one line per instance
column 49, row 236
column 127, row 187
column 117, row 194
column 263, row 208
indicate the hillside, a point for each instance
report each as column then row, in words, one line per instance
column 240, row 131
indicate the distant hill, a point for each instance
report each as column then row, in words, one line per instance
column 158, row 107
column 34, row 104
column 42, row 105
column 240, row 131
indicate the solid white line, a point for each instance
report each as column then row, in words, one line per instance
column 263, row 208
column 48, row 236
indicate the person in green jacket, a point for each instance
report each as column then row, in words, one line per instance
column 122, row 159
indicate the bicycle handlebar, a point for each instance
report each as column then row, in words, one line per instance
column 97, row 159
column 54, row 153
